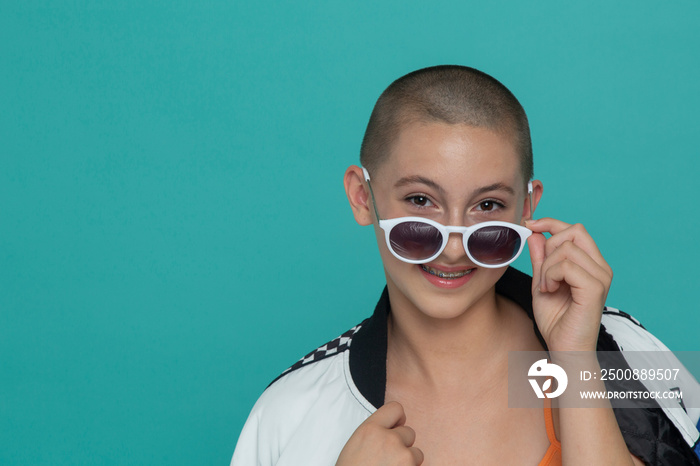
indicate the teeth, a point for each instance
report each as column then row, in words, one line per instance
column 449, row 275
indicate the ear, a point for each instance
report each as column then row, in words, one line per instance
column 358, row 195
column 537, row 189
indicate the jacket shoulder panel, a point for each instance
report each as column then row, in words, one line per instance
column 310, row 402
column 333, row 347
column 642, row 350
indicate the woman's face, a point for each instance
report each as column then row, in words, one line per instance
column 455, row 175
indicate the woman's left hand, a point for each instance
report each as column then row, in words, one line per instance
column 569, row 286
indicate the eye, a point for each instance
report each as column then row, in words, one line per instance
column 490, row 206
column 419, row 201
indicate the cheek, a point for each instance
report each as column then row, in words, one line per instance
column 525, row 211
column 379, row 234
column 386, row 255
column 391, row 263
column 388, row 258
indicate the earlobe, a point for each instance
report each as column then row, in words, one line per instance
column 357, row 194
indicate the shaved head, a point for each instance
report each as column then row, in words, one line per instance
column 449, row 94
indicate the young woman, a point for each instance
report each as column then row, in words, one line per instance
column 446, row 184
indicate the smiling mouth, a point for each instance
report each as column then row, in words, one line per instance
column 445, row 275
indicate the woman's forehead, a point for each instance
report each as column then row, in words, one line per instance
column 453, row 156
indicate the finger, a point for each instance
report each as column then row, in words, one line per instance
column 417, row 455
column 389, row 416
column 562, row 231
column 577, row 234
column 576, row 277
column 406, row 434
column 546, row 224
column 536, row 244
column 570, row 251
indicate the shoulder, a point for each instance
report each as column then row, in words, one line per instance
column 319, row 375
column 325, row 351
column 310, row 401
column 672, row 427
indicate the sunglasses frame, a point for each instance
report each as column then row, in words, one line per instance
column 388, row 224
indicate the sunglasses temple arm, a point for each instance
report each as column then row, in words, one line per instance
column 371, row 193
column 529, row 193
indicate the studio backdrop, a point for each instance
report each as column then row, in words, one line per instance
column 173, row 227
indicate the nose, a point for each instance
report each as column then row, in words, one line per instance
column 454, row 250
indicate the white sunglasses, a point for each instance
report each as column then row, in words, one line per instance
column 418, row 240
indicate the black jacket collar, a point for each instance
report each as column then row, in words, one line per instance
column 369, row 344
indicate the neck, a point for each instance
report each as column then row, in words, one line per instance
column 443, row 353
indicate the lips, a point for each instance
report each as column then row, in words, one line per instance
column 448, row 275
column 447, row 278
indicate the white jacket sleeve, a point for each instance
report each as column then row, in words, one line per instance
column 251, row 449
column 303, row 418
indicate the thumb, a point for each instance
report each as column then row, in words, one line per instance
column 536, row 245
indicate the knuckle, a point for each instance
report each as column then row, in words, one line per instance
column 567, row 266
column 579, row 228
column 407, row 435
column 419, row 457
column 568, row 246
column 394, row 406
column 600, row 287
column 411, row 438
column 405, row 457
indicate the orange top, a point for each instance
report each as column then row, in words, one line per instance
column 552, row 456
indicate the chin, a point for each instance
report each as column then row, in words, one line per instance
column 448, row 307
column 443, row 301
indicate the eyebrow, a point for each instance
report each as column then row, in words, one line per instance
column 428, row 182
column 418, row 179
column 495, row 187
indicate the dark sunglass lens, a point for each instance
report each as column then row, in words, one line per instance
column 415, row 240
column 494, row 245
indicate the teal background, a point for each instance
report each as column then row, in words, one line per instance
column 173, row 226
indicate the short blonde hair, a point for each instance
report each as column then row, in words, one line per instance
column 448, row 93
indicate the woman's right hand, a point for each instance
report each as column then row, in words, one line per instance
column 382, row 439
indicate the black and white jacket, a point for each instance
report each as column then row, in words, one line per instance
column 307, row 414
